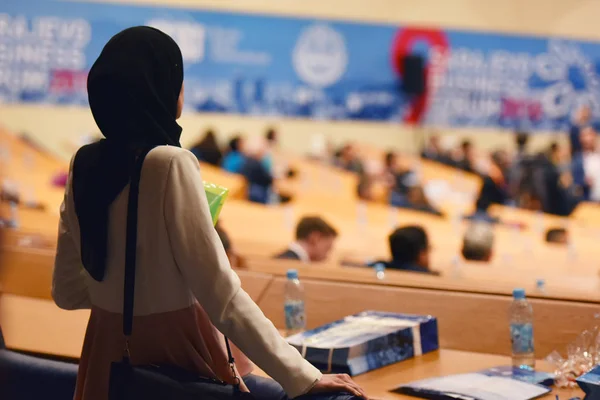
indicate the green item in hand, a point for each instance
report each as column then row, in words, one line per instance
column 216, row 196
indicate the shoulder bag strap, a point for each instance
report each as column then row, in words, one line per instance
column 130, row 260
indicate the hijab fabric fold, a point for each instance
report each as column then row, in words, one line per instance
column 133, row 90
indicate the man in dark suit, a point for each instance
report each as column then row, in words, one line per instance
column 314, row 241
column 409, row 246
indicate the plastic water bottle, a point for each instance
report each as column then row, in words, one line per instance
column 380, row 271
column 540, row 285
column 295, row 316
column 521, row 331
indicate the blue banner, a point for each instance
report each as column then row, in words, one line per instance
column 276, row 66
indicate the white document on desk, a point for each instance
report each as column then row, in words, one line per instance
column 478, row 387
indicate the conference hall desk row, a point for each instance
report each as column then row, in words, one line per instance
column 471, row 317
column 38, row 326
column 258, row 230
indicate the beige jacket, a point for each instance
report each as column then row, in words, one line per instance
column 179, row 259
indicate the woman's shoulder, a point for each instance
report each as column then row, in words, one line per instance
column 160, row 160
column 165, row 155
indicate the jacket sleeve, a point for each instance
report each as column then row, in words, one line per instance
column 69, row 286
column 202, row 261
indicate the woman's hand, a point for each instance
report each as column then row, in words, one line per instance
column 338, row 383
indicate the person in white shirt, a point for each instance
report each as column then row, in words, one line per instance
column 591, row 162
column 186, row 295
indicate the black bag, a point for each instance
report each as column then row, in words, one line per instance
column 153, row 382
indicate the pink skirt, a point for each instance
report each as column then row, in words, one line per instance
column 185, row 338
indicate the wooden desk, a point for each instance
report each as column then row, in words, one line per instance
column 470, row 318
column 39, row 326
column 235, row 183
column 378, row 383
column 32, row 170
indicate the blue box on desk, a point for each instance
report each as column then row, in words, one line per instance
column 590, row 383
column 363, row 342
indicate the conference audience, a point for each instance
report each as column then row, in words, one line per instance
column 234, row 158
column 314, row 241
column 409, row 246
column 557, row 236
column 478, row 242
column 207, row 149
column 187, row 296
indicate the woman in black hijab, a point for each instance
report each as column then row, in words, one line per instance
column 185, row 289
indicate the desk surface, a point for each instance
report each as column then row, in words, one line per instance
column 39, row 326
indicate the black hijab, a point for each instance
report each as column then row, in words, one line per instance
column 133, row 88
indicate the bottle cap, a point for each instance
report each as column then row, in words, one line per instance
column 292, row 274
column 519, row 294
column 540, row 283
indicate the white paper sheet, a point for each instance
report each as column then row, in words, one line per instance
column 481, row 387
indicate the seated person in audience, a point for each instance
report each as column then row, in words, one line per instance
column 557, row 236
column 235, row 158
column 433, row 151
column 274, row 162
column 494, row 189
column 417, row 200
column 314, row 241
column 364, row 189
column 208, row 150
column 409, row 246
column 348, row 160
column 466, row 162
column 259, row 178
column 406, row 191
column 559, row 194
column 272, row 141
column 586, row 165
column 520, row 173
column 583, row 118
column 478, row 242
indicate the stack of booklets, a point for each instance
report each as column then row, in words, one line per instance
column 501, row 383
column 366, row 341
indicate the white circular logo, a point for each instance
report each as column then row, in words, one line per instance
column 190, row 36
column 320, row 56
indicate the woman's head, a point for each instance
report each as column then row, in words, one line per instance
column 135, row 88
column 236, row 144
column 208, row 141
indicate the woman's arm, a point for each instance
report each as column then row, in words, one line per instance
column 69, row 288
column 201, row 258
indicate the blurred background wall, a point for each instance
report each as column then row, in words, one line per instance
column 53, row 125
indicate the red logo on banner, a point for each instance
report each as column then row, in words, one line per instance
column 404, row 43
column 67, row 82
